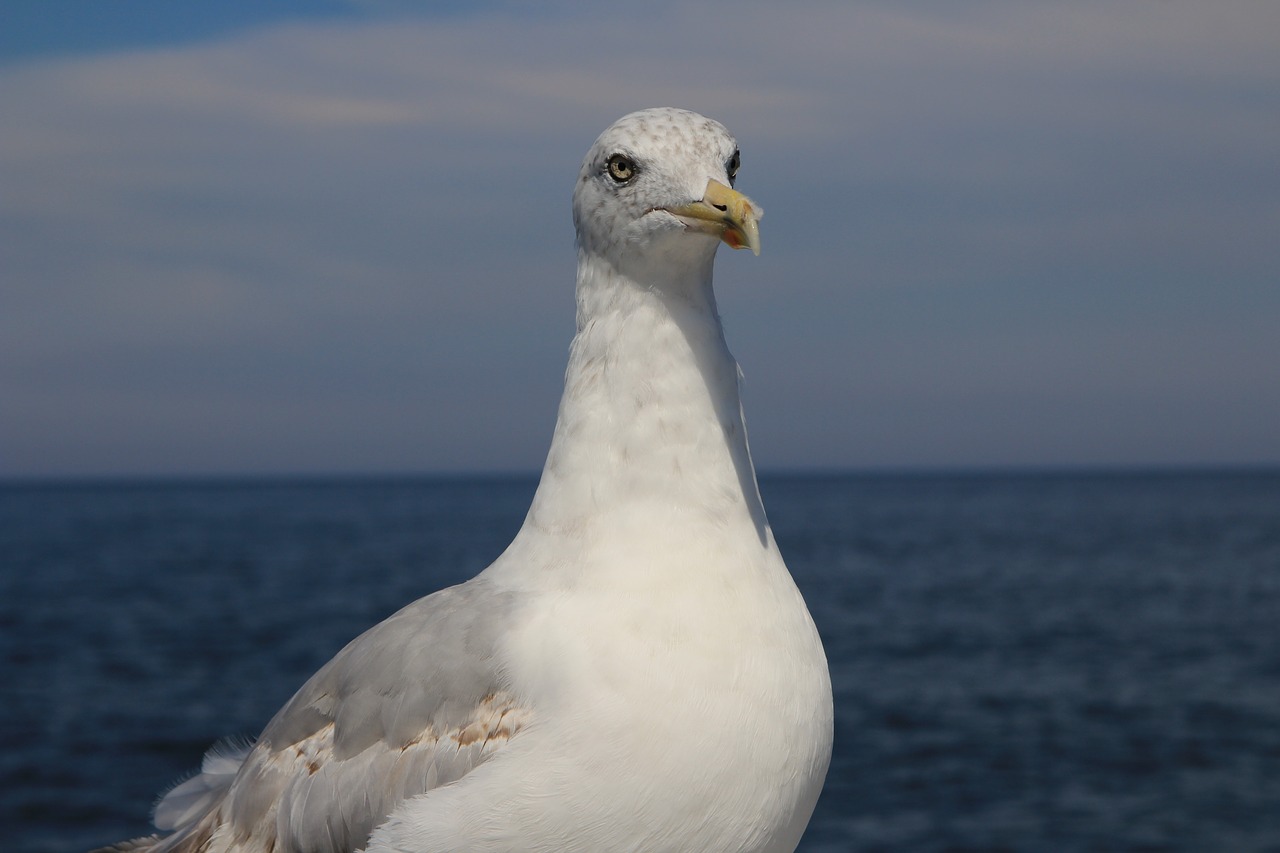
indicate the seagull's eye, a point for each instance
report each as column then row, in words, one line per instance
column 731, row 168
column 621, row 169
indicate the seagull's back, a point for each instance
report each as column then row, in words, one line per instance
column 637, row 671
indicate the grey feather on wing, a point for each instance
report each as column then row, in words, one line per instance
column 426, row 666
column 415, row 702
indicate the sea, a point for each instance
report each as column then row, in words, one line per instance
column 1028, row 661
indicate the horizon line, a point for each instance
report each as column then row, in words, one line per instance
column 211, row 478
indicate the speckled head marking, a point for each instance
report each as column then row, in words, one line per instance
column 645, row 166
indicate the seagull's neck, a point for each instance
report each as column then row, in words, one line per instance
column 650, row 425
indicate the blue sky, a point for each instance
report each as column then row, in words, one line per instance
column 49, row 28
column 334, row 237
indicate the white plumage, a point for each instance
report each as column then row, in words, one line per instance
column 637, row 671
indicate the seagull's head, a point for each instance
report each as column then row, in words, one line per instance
column 659, row 184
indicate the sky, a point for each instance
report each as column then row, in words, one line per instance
column 277, row 238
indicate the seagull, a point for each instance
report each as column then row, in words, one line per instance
column 637, row 671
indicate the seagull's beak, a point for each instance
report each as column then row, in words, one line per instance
column 736, row 216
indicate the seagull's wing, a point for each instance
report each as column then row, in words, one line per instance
column 415, row 702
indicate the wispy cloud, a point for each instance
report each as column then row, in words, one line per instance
column 346, row 244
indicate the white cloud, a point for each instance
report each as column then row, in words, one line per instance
column 313, row 218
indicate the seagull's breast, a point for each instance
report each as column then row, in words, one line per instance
column 645, row 691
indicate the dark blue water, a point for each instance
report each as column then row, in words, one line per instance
column 1025, row 662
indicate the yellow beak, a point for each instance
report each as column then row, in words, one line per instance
column 736, row 216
